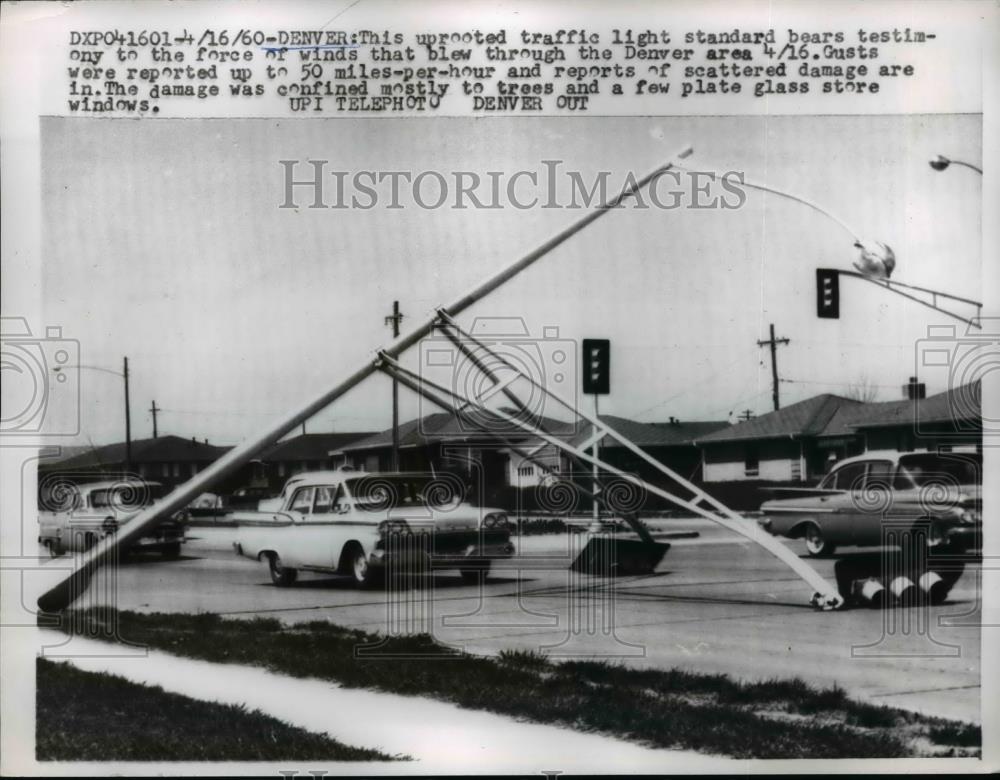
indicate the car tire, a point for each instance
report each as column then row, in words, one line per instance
column 471, row 576
column 358, row 567
column 816, row 545
column 281, row 576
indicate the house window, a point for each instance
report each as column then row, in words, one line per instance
column 177, row 469
column 281, row 469
column 166, row 469
column 751, row 465
column 525, row 471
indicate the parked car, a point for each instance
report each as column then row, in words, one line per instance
column 81, row 515
column 207, row 505
column 863, row 495
column 247, row 497
column 363, row 525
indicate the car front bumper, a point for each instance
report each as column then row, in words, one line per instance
column 443, row 551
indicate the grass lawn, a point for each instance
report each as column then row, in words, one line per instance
column 88, row 716
column 671, row 709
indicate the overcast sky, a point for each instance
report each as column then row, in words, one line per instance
column 164, row 242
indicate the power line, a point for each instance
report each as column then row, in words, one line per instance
column 731, row 407
column 833, row 384
column 675, row 396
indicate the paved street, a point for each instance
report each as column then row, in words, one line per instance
column 715, row 604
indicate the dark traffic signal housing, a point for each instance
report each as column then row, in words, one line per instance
column 596, row 366
column 827, row 293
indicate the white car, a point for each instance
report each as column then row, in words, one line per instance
column 277, row 503
column 362, row 525
column 81, row 515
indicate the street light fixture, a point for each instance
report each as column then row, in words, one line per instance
column 877, row 260
column 128, row 416
column 941, row 162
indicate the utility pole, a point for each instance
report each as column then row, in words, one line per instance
column 128, row 423
column 773, row 343
column 153, row 410
column 393, row 321
column 746, row 414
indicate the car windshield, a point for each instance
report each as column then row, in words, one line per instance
column 125, row 497
column 928, row 468
column 376, row 493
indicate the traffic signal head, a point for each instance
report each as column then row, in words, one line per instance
column 596, row 366
column 827, row 293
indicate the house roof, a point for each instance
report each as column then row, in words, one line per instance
column 660, row 434
column 832, row 415
column 447, row 427
column 848, row 416
column 960, row 403
column 311, row 446
column 163, row 449
column 805, row 418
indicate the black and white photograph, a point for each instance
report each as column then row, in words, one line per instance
column 435, row 389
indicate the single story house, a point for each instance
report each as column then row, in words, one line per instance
column 801, row 441
column 166, row 459
column 780, row 446
column 445, row 442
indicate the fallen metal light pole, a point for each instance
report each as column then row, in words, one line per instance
column 68, row 589
column 701, row 503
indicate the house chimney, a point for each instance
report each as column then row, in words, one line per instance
column 914, row 390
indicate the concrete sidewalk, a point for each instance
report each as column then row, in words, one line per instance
column 440, row 737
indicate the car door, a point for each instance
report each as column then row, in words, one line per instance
column 353, row 523
column 873, row 503
column 298, row 539
column 329, row 533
